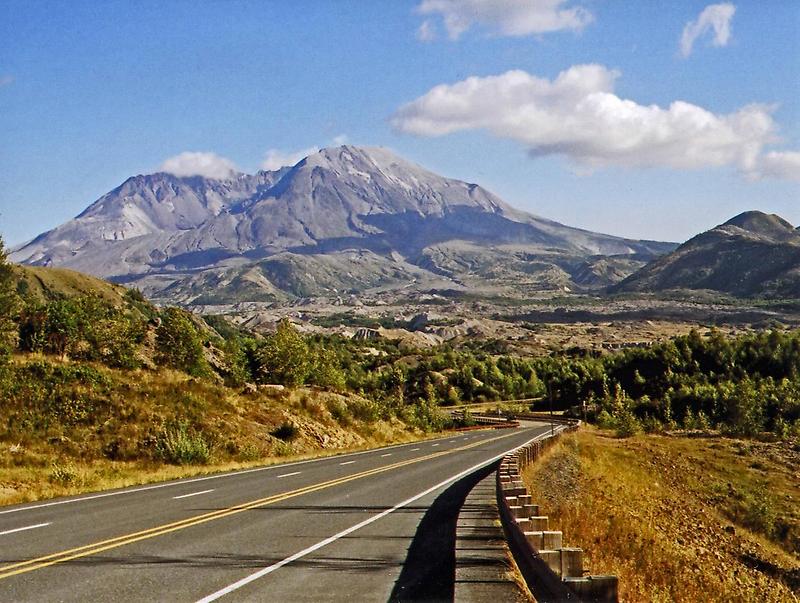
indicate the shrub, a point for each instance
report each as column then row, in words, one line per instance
column 605, row 420
column 364, row 410
column 63, row 474
column 627, row 424
column 179, row 345
column 179, row 445
column 286, row 431
column 9, row 304
column 282, row 358
column 339, row 411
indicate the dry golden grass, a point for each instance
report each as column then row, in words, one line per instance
column 650, row 509
column 103, row 437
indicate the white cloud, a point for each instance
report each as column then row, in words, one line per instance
column 5, row 80
column 505, row 17
column 577, row 115
column 777, row 164
column 426, row 31
column 274, row 159
column 714, row 16
column 208, row 165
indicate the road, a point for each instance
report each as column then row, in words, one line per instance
column 367, row 526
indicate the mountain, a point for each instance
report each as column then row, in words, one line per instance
column 752, row 255
column 344, row 220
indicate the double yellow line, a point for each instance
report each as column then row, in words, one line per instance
column 98, row 547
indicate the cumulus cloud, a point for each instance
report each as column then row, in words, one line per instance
column 777, row 164
column 275, row 159
column 716, row 17
column 208, row 165
column 504, row 17
column 579, row 116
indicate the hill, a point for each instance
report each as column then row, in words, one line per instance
column 652, row 506
column 752, row 255
column 40, row 284
column 342, row 221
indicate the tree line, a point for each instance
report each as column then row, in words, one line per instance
column 746, row 384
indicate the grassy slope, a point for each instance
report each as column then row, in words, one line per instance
column 101, row 428
column 678, row 519
column 44, row 284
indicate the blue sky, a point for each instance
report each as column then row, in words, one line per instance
column 94, row 92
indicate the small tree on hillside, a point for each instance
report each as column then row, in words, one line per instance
column 9, row 305
column 178, row 344
column 282, row 358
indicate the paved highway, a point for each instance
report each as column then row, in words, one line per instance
column 367, row 526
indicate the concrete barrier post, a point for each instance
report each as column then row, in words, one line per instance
column 571, row 562
column 603, row 589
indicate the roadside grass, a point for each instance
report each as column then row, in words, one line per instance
column 678, row 518
column 69, row 428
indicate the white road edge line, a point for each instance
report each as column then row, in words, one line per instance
column 192, row 494
column 202, row 479
column 347, row 463
column 38, row 525
column 290, row 474
column 268, row 570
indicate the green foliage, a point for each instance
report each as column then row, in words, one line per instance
column 83, row 327
column 742, row 385
column 282, row 358
column 325, row 370
column 755, row 509
column 63, row 474
column 179, row 344
column 627, row 424
column 179, row 445
column 9, row 305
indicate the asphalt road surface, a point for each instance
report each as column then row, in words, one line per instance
column 368, row 526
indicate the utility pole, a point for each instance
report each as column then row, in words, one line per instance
column 550, row 396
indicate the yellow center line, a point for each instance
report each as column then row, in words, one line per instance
column 104, row 545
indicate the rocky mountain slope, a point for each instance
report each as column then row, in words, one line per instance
column 342, row 221
column 753, row 254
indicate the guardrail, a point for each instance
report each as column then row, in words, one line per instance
column 552, row 572
column 545, row 417
column 486, row 421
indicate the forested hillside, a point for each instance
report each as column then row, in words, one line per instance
column 93, row 373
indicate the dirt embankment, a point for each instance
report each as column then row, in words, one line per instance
column 677, row 518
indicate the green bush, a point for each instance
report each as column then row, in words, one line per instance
column 339, row 411
column 179, row 345
column 363, row 409
column 179, row 445
column 63, row 474
column 9, row 305
column 627, row 424
column 282, row 358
